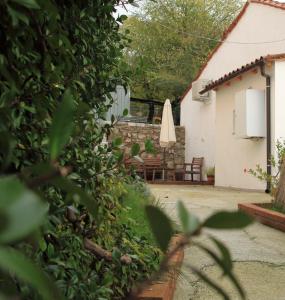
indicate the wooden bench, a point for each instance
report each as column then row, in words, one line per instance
column 194, row 168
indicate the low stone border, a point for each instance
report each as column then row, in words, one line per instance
column 264, row 215
column 164, row 288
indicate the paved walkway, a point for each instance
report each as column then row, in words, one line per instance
column 258, row 251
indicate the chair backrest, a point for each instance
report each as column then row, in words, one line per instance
column 133, row 163
column 152, row 161
column 197, row 163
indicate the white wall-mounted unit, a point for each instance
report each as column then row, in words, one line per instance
column 197, row 87
column 250, row 118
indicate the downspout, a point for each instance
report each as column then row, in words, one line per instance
column 268, row 124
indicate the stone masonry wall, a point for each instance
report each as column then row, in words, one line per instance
column 137, row 133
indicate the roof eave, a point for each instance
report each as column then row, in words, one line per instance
column 232, row 75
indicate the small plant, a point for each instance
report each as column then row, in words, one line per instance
column 276, row 163
column 211, row 171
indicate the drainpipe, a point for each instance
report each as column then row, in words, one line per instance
column 268, row 124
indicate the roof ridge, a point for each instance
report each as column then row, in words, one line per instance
column 271, row 3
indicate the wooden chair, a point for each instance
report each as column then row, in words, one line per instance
column 153, row 165
column 132, row 163
column 194, row 168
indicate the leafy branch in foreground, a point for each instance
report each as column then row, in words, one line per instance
column 59, row 65
column 191, row 227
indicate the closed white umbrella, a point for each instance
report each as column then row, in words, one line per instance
column 167, row 131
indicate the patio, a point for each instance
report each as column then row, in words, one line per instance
column 258, row 251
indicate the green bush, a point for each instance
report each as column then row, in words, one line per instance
column 136, row 198
column 59, row 185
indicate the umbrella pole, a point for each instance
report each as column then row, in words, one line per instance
column 163, row 171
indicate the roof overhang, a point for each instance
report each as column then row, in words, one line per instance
column 227, row 77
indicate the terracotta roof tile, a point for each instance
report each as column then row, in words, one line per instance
column 229, row 30
column 243, row 69
column 270, row 3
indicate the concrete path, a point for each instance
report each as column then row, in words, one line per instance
column 258, row 251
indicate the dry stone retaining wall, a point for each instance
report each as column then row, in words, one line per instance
column 137, row 133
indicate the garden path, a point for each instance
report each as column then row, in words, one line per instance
column 258, row 251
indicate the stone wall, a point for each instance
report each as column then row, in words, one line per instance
column 137, row 133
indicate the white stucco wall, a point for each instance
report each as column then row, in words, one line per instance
column 259, row 23
column 277, row 105
column 278, row 109
column 235, row 156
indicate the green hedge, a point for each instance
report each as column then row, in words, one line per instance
column 59, row 61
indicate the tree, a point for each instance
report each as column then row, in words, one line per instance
column 171, row 40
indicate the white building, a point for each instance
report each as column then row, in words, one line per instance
column 257, row 31
column 250, row 106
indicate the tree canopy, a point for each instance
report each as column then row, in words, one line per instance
column 171, row 39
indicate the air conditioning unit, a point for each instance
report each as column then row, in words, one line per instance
column 197, row 87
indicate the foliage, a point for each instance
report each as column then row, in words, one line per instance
column 137, row 196
column 170, row 40
column 276, row 164
column 211, row 171
column 59, row 184
column 191, row 227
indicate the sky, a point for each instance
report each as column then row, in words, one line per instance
column 130, row 8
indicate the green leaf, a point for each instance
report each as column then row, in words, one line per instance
column 70, row 187
column 122, row 18
column 3, row 221
column 117, row 142
column 226, row 255
column 228, row 220
column 135, row 4
column 7, row 145
column 23, row 209
column 149, row 147
column 62, row 125
column 125, row 112
column 3, row 297
column 161, row 226
column 14, row 262
column 224, row 267
column 189, row 222
column 80, row 84
column 135, row 150
column 28, row 3
column 210, row 282
column 16, row 16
